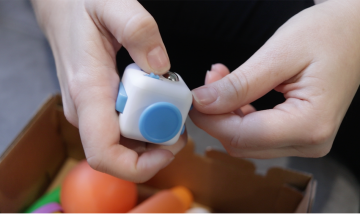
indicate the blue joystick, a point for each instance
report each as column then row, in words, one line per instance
column 160, row 122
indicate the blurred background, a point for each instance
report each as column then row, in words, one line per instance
column 28, row 78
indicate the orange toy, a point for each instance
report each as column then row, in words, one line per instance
column 86, row 190
column 175, row 200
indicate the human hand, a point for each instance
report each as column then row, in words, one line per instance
column 219, row 71
column 314, row 60
column 85, row 37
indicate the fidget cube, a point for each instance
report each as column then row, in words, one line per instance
column 153, row 108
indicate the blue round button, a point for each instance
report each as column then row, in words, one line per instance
column 160, row 122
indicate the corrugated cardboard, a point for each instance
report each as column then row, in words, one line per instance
column 224, row 183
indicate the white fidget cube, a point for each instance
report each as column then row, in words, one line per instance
column 152, row 108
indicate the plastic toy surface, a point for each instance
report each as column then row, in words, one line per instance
column 175, row 200
column 50, row 208
column 85, row 190
column 48, row 198
column 152, row 108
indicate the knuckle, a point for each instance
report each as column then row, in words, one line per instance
column 312, row 151
column 137, row 176
column 70, row 116
column 80, row 85
column 140, row 179
column 236, row 84
column 233, row 82
column 235, row 141
column 322, row 135
column 320, row 151
column 74, row 86
column 69, row 109
column 139, row 29
column 95, row 163
column 238, row 142
column 232, row 152
column 240, row 83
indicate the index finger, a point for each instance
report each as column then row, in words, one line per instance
column 267, row 129
column 100, row 134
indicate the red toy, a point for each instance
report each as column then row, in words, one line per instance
column 86, row 190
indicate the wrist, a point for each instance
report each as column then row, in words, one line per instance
column 50, row 14
column 349, row 7
column 42, row 12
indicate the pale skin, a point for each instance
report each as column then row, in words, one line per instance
column 313, row 59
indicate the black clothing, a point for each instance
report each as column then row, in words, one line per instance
column 200, row 33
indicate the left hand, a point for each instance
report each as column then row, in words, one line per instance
column 85, row 36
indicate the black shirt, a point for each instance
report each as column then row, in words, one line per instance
column 200, row 33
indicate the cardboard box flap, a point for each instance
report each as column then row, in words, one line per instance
column 220, row 184
column 32, row 161
column 288, row 198
column 294, row 178
column 306, row 204
column 244, row 165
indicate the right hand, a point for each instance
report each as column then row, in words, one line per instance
column 314, row 61
column 85, row 37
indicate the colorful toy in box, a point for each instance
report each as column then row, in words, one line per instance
column 174, row 200
column 49, row 208
column 88, row 191
column 51, row 197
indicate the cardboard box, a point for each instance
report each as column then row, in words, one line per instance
column 224, row 183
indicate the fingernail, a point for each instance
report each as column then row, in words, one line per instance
column 212, row 66
column 207, row 77
column 168, row 162
column 205, row 95
column 157, row 59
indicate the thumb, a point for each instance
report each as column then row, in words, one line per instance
column 266, row 69
column 135, row 29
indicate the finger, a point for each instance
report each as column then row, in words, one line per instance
column 137, row 31
column 141, row 147
column 239, row 112
column 313, row 151
column 217, row 72
column 268, row 129
column 212, row 76
column 274, row 63
column 175, row 148
column 247, row 109
column 100, row 133
column 220, row 69
column 135, row 145
column 263, row 153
